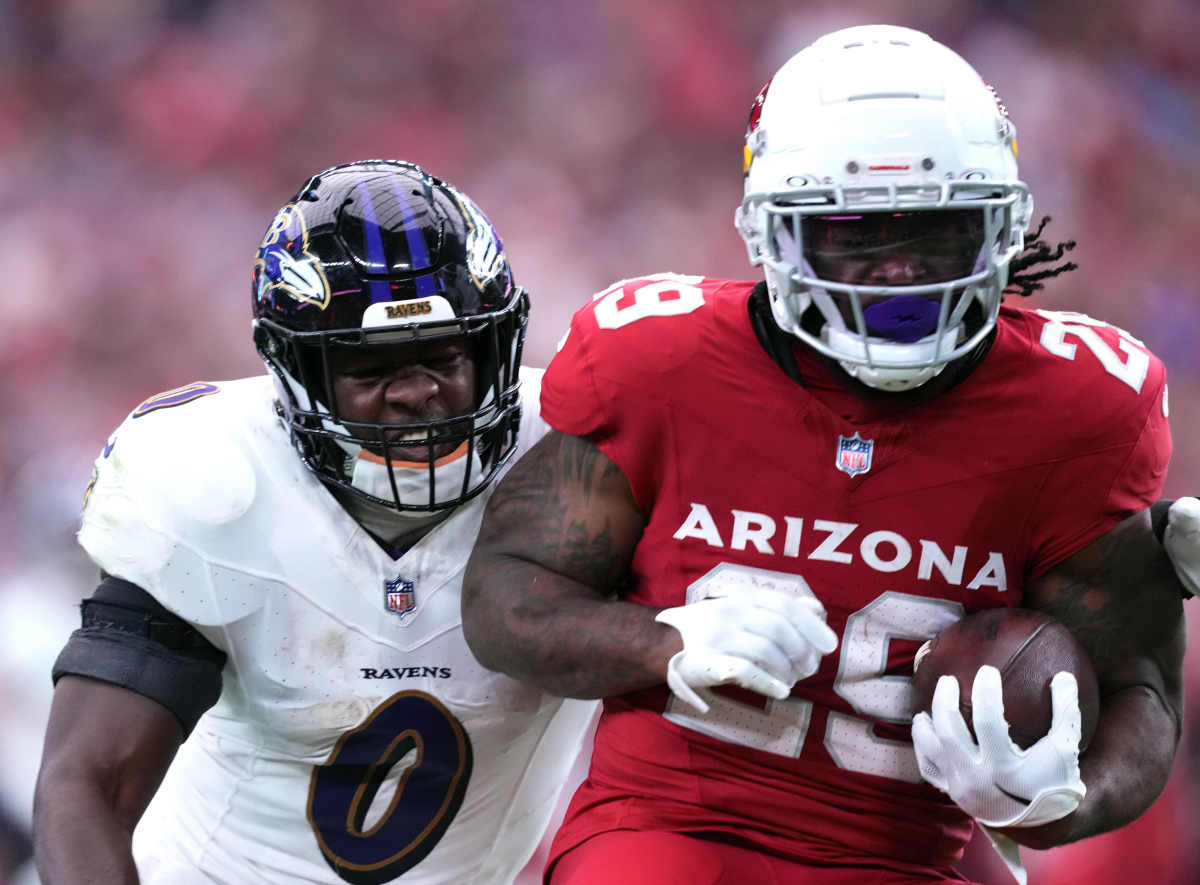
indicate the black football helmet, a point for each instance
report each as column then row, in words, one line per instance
column 375, row 253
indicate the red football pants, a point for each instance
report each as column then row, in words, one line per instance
column 630, row 857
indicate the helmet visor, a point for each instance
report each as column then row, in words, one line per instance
column 911, row 248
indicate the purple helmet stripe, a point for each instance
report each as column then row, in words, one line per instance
column 377, row 261
column 416, row 243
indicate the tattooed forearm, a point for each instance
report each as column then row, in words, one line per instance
column 555, row 549
column 572, row 645
column 1119, row 595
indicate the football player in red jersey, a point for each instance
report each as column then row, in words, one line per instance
column 758, row 500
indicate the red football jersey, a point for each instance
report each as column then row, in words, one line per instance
column 899, row 521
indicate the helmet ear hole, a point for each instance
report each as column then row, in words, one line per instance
column 264, row 342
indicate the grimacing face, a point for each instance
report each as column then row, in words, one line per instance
column 409, row 383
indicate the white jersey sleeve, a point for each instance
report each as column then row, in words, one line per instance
column 533, row 427
column 171, row 489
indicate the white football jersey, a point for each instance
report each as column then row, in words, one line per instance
column 356, row 738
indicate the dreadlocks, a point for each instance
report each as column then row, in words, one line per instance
column 1025, row 282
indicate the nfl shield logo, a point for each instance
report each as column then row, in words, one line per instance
column 399, row 596
column 854, row 454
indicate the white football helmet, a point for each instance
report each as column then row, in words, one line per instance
column 875, row 122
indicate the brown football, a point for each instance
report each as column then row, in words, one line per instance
column 1028, row 648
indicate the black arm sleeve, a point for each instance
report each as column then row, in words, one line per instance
column 129, row 639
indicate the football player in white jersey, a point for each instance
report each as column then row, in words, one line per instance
column 281, row 562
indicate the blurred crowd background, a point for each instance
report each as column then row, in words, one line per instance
column 146, row 144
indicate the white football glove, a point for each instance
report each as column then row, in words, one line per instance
column 994, row 780
column 1182, row 541
column 761, row 639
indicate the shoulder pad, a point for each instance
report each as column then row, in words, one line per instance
column 169, row 487
column 641, row 310
column 1097, row 348
column 635, row 343
column 1106, row 380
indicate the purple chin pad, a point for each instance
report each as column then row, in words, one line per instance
column 903, row 318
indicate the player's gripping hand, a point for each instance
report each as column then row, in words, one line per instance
column 761, row 639
column 992, row 779
column 1182, row 541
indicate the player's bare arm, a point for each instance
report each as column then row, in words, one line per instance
column 540, row 598
column 1121, row 598
column 106, row 751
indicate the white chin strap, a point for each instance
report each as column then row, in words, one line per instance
column 885, row 377
column 370, row 475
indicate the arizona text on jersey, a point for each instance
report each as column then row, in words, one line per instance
column 898, row 518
